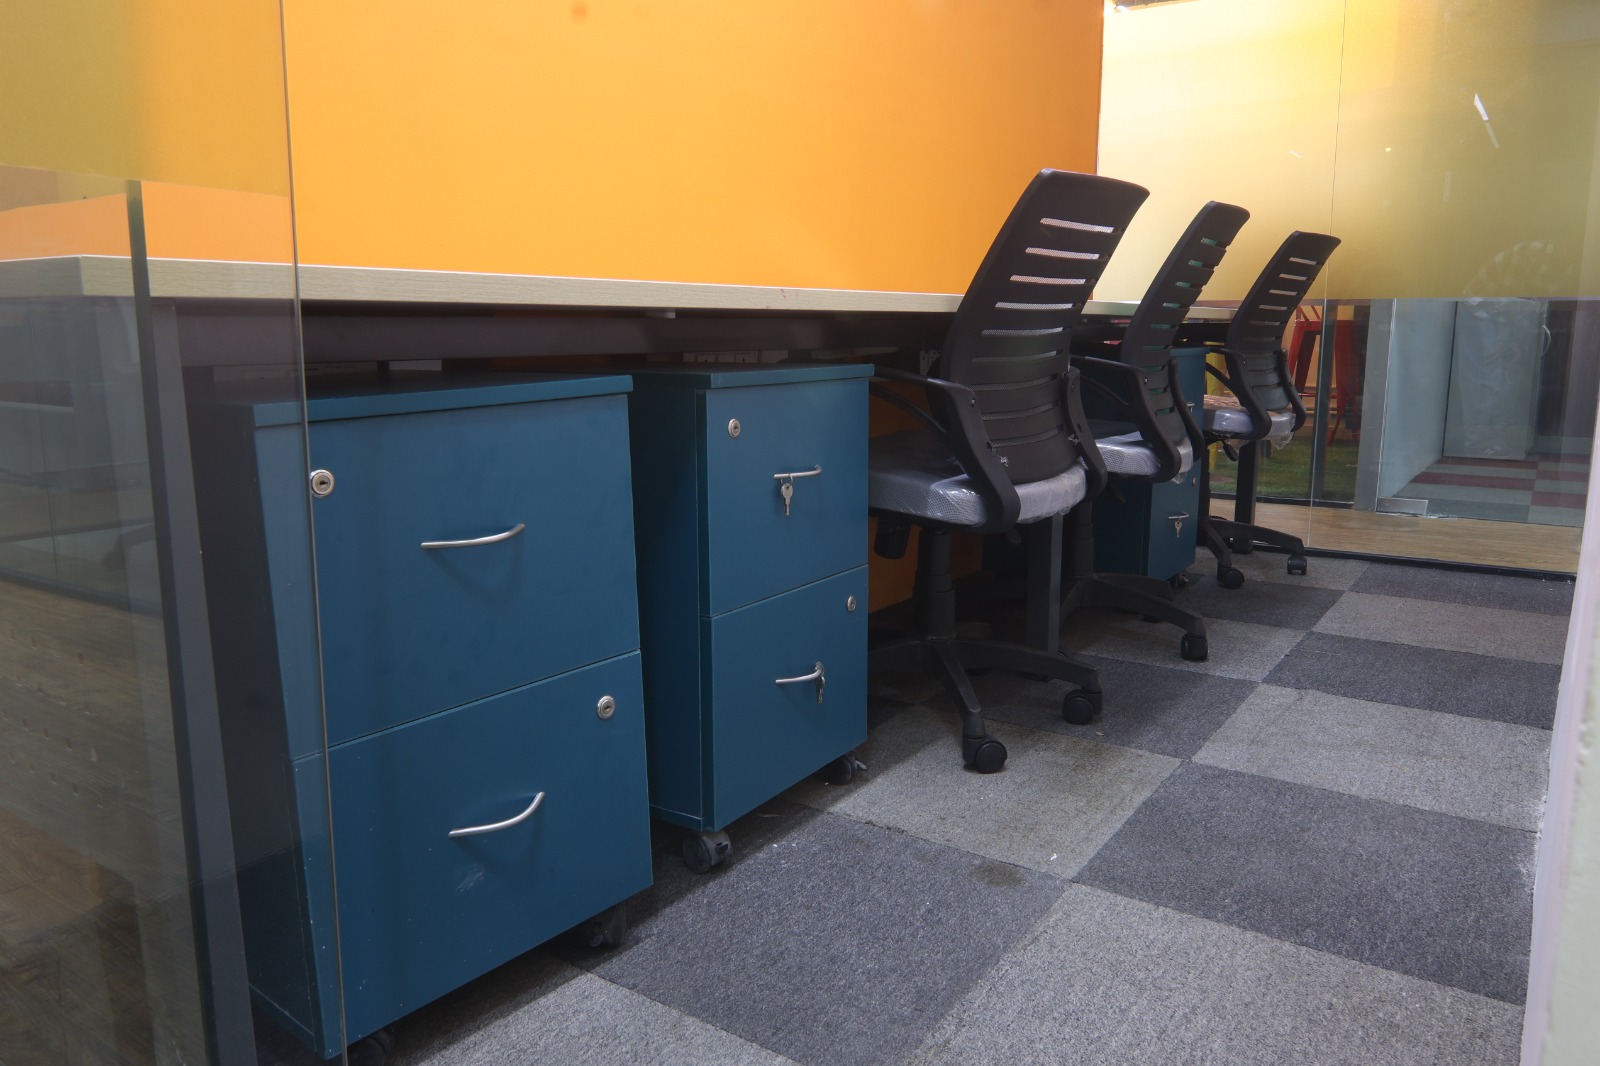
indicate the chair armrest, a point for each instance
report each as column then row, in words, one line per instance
column 1197, row 436
column 1290, row 391
column 1234, row 379
column 1093, row 462
column 1127, row 385
column 954, row 417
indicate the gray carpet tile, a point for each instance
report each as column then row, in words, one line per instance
column 1515, row 593
column 1152, row 708
column 1056, row 802
column 1484, row 511
column 840, row 943
column 1539, row 638
column 538, row 1010
column 1474, row 493
column 1467, row 767
column 1554, row 516
column 1109, row 980
column 1243, row 650
column 1455, row 682
column 1441, row 898
column 1322, row 572
column 1269, row 603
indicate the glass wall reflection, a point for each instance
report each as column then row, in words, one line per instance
column 1451, row 364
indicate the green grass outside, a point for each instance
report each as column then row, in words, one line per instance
column 1286, row 472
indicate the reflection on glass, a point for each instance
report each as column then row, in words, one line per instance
column 98, row 961
column 1454, row 149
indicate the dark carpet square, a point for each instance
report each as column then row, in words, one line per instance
column 1455, row 682
column 1505, row 591
column 1438, row 897
column 1286, row 604
column 836, row 942
column 1152, row 708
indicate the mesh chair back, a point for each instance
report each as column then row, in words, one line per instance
column 1147, row 343
column 1258, row 326
column 1011, row 334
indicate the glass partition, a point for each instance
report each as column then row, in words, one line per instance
column 1449, row 358
column 159, row 853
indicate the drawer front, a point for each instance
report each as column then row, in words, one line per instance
column 421, row 912
column 409, row 631
column 752, row 548
column 1174, row 514
column 766, row 736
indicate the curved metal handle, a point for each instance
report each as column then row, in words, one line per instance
column 1179, row 517
column 493, row 538
column 476, row 830
column 813, row 472
column 814, row 675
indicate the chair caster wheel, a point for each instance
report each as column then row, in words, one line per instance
column 702, row 851
column 840, row 770
column 371, row 1050
column 986, row 755
column 606, row 929
column 1080, row 707
column 1193, row 647
column 1231, row 578
column 1297, row 564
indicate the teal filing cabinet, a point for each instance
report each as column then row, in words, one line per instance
column 753, row 607
column 1152, row 529
column 476, row 599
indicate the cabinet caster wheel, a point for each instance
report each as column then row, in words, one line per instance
column 371, row 1050
column 606, row 929
column 985, row 756
column 702, row 851
column 1193, row 647
column 841, row 770
column 1231, row 578
column 1080, row 707
column 1297, row 564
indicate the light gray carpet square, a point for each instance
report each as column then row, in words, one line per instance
column 1152, row 708
column 1467, row 767
column 1442, row 898
column 1057, row 800
column 536, row 1009
column 842, row 942
column 1109, row 980
column 1237, row 649
column 1454, row 507
column 1538, row 595
column 1270, row 603
column 1539, row 638
column 1455, row 682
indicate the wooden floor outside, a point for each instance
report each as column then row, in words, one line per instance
column 1459, row 540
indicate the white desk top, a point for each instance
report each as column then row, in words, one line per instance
column 95, row 275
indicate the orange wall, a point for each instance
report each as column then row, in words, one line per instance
column 833, row 143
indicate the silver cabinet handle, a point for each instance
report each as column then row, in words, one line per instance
column 813, row 472
column 815, row 675
column 493, row 538
column 1177, row 521
column 477, row 830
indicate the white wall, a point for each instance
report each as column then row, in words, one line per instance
column 1562, row 1025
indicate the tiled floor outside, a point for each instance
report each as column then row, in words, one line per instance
column 1542, row 489
column 1315, row 848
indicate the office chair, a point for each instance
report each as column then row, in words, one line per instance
column 1003, row 443
column 1142, row 426
column 1264, row 405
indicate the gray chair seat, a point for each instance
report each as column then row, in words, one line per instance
column 1127, row 455
column 1225, row 418
column 913, row 473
